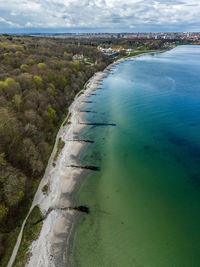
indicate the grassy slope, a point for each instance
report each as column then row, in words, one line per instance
column 31, row 231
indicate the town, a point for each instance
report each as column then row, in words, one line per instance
column 188, row 36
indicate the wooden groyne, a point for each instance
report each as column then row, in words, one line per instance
column 83, row 209
column 87, row 111
column 88, row 102
column 91, row 95
column 98, row 124
column 82, row 141
column 92, row 168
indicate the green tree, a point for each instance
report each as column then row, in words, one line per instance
column 3, row 211
column 37, row 81
column 41, row 65
column 24, row 67
column 17, row 102
column 51, row 113
column 76, row 65
column 2, row 159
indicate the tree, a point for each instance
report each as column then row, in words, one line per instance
column 24, row 67
column 17, row 102
column 10, row 87
column 37, row 81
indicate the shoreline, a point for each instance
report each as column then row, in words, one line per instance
column 62, row 182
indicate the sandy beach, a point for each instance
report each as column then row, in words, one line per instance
column 61, row 181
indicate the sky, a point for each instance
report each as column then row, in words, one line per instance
column 18, row 16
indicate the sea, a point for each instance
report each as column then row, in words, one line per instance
column 145, row 200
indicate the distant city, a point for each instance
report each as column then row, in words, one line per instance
column 192, row 36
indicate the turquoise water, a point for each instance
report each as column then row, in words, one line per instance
column 145, row 201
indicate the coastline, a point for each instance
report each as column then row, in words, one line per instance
column 61, row 181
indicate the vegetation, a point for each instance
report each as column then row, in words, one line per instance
column 31, row 231
column 11, row 237
column 131, row 54
column 38, row 81
column 80, row 93
column 45, row 189
column 137, row 44
column 60, row 146
column 67, row 121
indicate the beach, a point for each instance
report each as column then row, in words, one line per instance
column 61, row 180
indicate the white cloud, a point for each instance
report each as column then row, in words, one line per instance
column 99, row 13
column 7, row 22
column 29, row 24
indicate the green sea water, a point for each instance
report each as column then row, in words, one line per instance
column 145, row 200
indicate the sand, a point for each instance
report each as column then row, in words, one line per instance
column 61, row 180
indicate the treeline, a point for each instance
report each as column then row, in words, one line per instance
column 38, row 82
column 126, row 43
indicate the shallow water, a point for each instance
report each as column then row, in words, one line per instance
column 145, row 201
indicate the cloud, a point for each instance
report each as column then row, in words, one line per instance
column 7, row 22
column 110, row 14
column 28, row 24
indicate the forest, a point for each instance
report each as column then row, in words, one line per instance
column 137, row 44
column 38, row 82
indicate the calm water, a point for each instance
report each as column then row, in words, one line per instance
column 145, row 201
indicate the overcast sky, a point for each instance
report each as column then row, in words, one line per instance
column 99, row 15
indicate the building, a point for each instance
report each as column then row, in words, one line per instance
column 78, row 57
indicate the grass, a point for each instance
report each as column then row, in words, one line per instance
column 31, row 232
column 132, row 54
column 80, row 93
column 67, row 121
column 142, row 48
column 45, row 189
column 60, row 146
column 89, row 62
